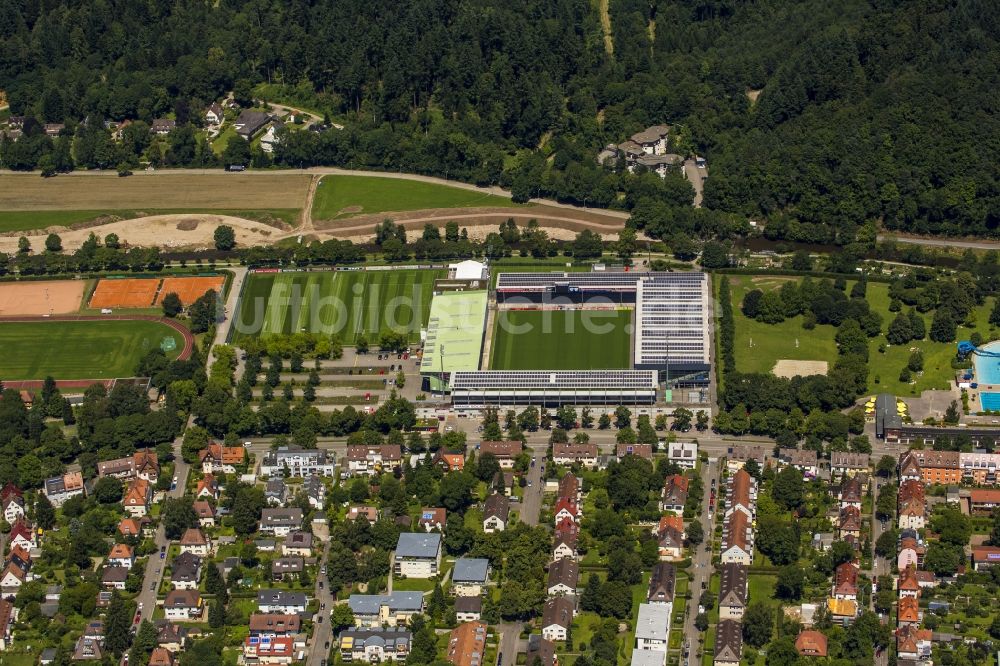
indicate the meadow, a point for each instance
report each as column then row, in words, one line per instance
column 344, row 196
column 562, row 340
column 79, row 349
column 758, row 345
column 346, row 303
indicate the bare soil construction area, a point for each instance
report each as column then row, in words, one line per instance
column 234, row 191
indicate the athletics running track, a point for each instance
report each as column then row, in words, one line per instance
column 185, row 352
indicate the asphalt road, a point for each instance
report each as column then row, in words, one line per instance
column 701, row 564
column 155, row 566
column 322, row 634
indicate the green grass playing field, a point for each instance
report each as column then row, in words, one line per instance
column 344, row 196
column 788, row 340
column 79, row 349
column 562, row 340
column 346, row 303
column 14, row 220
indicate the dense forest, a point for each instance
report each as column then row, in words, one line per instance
column 815, row 117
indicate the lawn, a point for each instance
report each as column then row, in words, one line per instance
column 344, row 196
column 346, row 303
column 78, row 349
column 759, row 346
column 562, row 340
column 761, row 587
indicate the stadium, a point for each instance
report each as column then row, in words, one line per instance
column 550, row 339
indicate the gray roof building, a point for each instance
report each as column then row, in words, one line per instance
column 418, row 545
column 653, row 623
column 369, row 604
column 470, row 570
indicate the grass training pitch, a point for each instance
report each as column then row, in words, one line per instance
column 343, row 196
column 760, row 346
column 562, row 340
column 79, row 349
column 346, row 303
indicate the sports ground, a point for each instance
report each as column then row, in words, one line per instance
column 562, row 340
column 147, row 292
column 90, row 349
column 346, row 303
column 41, row 298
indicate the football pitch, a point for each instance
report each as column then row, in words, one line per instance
column 79, row 349
column 562, row 340
column 345, row 303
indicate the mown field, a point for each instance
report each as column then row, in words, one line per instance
column 562, row 340
column 343, row 196
column 759, row 346
column 29, row 202
column 346, row 303
column 78, row 349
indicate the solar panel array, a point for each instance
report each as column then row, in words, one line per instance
column 597, row 380
column 672, row 313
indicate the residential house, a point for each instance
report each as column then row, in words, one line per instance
column 506, row 452
column 543, row 650
column 7, row 616
column 297, row 462
column 279, row 650
column 195, row 542
column 129, row 527
column 138, row 495
column 670, row 543
column 251, row 122
column 804, row 460
column 13, row 507
column 433, row 518
column 913, row 643
column 468, row 609
column 811, row 643
column 908, row 585
column 909, row 467
column 568, row 454
column 845, row 582
column 315, row 490
column 88, row 649
column 566, row 509
column 728, row 643
column 287, row 568
column 741, row 494
column 142, row 464
column 674, row 495
column 22, row 534
column 269, row 625
column 298, row 543
column 379, row 610
column 563, row 578
column 669, row 521
column 183, row 605
column 912, row 515
column 208, row 487
column 121, row 555
column 496, row 513
column 938, row 467
column 114, row 577
column 280, row 521
column 469, row 576
column 983, row 501
column 908, row 611
column 205, row 512
column 985, row 556
column 569, row 487
column 374, row 646
column 850, row 494
column 162, row 126
column 737, row 539
column 417, row 555
column 61, row 488
column 566, row 541
column 910, row 553
column 171, row 636
column 218, row 458
column 281, row 601
column 683, row 454
column 557, row 617
column 661, row 584
column 849, row 524
column 737, row 456
column 449, row 461
column 652, row 627
column 185, row 571
column 732, row 591
column 12, row 577
column 275, row 491
column 368, row 460
column 848, row 463
column 467, row 644
column 644, row 451
column 369, row 513
column 214, row 114
column 161, row 657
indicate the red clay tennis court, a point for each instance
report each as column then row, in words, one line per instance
column 190, row 289
column 127, row 293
